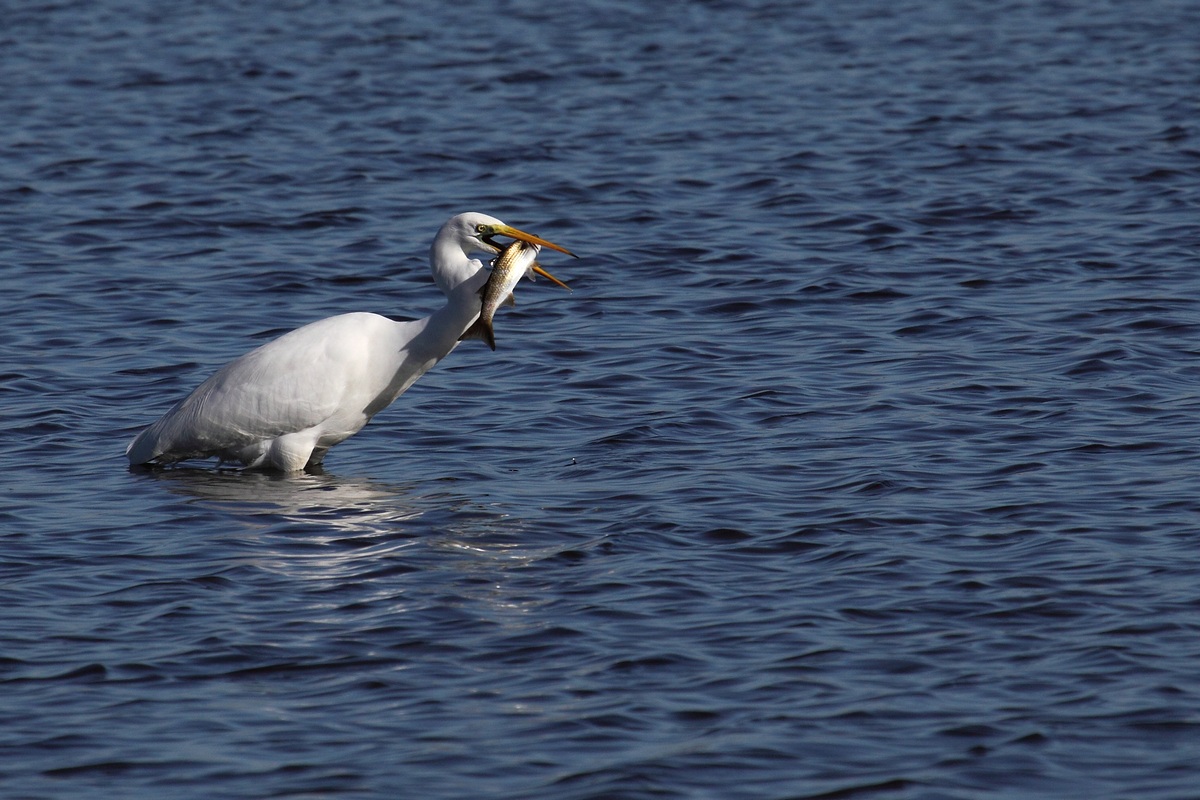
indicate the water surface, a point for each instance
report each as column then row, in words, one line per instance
column 860, row 462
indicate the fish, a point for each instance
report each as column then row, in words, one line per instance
column 514, row 262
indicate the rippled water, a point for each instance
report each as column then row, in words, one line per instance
column 860, row 463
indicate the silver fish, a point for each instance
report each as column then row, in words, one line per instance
column 515, row 262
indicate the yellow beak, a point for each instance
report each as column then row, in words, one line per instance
column 514, row 233
column 538, row 269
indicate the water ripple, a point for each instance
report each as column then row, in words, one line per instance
column 859, row 463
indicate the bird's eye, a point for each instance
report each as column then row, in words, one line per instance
column 481, row 228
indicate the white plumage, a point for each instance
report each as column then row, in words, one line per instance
column 283, row 405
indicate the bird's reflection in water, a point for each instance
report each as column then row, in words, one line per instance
column 343, row 551
column 316, row 521
column 355, row 505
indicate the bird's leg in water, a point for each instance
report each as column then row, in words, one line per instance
column 318, row 455
column 290, row 452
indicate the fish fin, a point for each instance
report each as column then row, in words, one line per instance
column 480, row 330
column 510, row 300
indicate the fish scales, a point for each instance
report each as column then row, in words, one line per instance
column 513, row 263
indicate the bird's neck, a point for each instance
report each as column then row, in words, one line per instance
column 423, row 343
column 444, row 326
column 451, row 265
column 464, row 303
column 460, row 278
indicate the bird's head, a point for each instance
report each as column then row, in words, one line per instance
column 477, row 233
column 473, row 232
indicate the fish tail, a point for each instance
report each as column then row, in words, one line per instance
column 482, row 329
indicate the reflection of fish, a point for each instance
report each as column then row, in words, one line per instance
column 514, row 263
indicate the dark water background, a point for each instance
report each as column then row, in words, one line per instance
column 861, row 463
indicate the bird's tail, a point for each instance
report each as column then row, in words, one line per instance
column 143, row 449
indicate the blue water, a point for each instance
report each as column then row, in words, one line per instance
column 860, row 463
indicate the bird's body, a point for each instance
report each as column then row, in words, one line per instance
column 283, row 405
column 286, row 403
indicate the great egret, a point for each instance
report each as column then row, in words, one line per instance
column 285, row 404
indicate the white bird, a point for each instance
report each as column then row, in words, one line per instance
column 283, row 405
